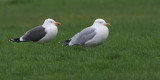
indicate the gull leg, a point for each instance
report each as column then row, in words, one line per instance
column 42, row 44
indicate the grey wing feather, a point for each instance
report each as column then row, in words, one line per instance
column 83, row 36
column 35, row 34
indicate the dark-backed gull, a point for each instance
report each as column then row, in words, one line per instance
column 40, row 34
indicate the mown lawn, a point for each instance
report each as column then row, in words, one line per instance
column 131, row 51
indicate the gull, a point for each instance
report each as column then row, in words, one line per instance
column 90, row 36
column 40, row 34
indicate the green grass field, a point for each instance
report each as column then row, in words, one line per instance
column 131, row 51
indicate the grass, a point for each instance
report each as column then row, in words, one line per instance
column 131, row 51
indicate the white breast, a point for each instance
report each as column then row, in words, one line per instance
column 102, row 34
column 100, row 37
column 51, row 32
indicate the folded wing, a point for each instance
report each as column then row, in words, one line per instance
column 82, row 37
column 34, row 34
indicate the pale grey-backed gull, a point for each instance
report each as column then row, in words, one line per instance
column 90, row 36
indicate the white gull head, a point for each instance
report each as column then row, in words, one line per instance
column 51, row 22
column 101, row 22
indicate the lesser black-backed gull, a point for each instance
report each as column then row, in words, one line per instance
column 40, row 34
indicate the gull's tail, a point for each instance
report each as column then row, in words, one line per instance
column 16, row 40
column 66, row 42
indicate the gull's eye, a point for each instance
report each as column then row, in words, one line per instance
column 50, row 21
column 100, row 22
